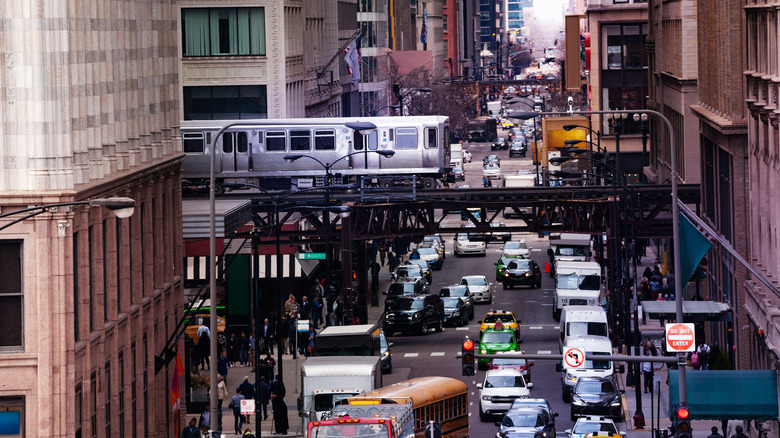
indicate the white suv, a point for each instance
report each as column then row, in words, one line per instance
column 499, row 389
column 594, row 426
column 479, row 286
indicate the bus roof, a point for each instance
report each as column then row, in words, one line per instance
column 421, row 390
column 338, row 330
column 337, row 366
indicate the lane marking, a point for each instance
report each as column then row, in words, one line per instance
column 535, row 328
column 544, row 352
column 437, row 353
column 546, row 304
column 461, row 328
column 411, row 354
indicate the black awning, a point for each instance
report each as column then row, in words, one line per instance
column 693, row 311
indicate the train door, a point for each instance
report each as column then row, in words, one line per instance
column 365, row 143
column 431, row 151
column 235, row 151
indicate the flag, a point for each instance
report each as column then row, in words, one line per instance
column 352, row 58
column 178, row 372
column 424, row 29
column 693, row 247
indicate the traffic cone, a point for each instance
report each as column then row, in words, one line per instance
column 546, row 267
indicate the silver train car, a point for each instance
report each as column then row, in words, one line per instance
column 253, row 151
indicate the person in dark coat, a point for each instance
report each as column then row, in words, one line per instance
column 277, row 387
column 234, row 346
column 267, row 332
column 222, row 364
column 305, row 311
column 204, row 350
column 191, row 430
column 265, row 396
column 280, row 414
column 247, row 389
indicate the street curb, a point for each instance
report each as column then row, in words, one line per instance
column 626, row 418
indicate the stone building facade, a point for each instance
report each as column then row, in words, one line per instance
column 90, row 110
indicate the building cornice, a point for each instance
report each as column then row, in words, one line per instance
column 722, row 124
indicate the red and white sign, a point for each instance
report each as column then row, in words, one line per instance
column 573, row 357
column 680, row 338
column 247, row 406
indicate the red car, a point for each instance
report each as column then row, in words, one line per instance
column 522, row 365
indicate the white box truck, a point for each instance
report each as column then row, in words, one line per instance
column 456, row 156
column 571, row 247
column 582, row 320
column 596, row 345
column 494, row 109
column 525, row 180
column 576, row 284
column 326, row 380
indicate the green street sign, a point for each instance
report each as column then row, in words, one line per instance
column 311, row 256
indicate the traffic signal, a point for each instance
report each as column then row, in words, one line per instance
column 682, row 423
column 467, row 357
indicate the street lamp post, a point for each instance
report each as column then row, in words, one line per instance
column 392, row 107
column 537, row 158
column 402, row 97
column 326, row 215
column 121, row 207
column 675, row 216
column 590, row 141
column 643, row 127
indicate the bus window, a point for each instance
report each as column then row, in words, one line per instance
column 324, row 140
column 300, row 140
column 274, row 141
column 432, row 138
column 406, row 138
column 242, row 143
column 193, row 143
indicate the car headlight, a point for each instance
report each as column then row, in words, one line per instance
column 571, row 377
column 564, row 300
column 481, row 244
column 483, row 351
column 487, row 397
column 387, row 317
column 524, row 372
column 615, row 402
column 386, row 353
column 416, row 316
column 592, row 302
column 527, row 274
column 577, row 401
column 455, row 314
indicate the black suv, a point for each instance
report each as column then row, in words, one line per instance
column 523, row 272
column 517, row 148
column 405, row 287
column 499, row 144
column 414, row 314
column 596, row 396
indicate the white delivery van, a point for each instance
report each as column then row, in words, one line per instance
column 582, row 320
column 456, row 156
column 576, row 284
column 525, row 180
column 568, row 247
column 326, row 380
column 596, row 345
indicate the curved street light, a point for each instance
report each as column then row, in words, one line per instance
column 121, row 207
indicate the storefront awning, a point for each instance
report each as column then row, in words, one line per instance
column 693, row 311
column 728, row 395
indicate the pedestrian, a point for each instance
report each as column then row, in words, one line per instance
column 243, row 348
column 289, row 305
column 268, row 365
column 277, row 387
column 392, row 261
column 649, row 346
column 248, row 433
column 375, row 277
column 280, row 414
column 310, row 346
column 647, row 273
column 233, row 348
column 235, row 405
column 191, row 430
column 704, row 355
column 382, row 252
column 738, row 433
column 264, row 390
column 284, row 330
column 223, row 364
column 205, row 420
column 647, row 372
column 305, row 311
column 715, row 433
column 316, row 312
column 250, row 359
column 332, row 319
column 247, row 389
column 222, row 394
column 204, row 346
column 268, row 335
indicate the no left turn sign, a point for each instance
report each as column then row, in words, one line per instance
column 680, row 337
column 573, row 357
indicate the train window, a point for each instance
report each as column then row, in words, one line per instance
column 242, row 143
column 274, row 141
column 227, row 143
column 193, row 143
column 300, row 140
column 324, row 140
column 431, row 138
column 406, row 138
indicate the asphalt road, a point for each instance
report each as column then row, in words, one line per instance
column 434, row 353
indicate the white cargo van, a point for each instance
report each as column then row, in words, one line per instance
column 326, row 380
column 525, row 180
column 582, row 320
column 595, row 345
column 570, row 247
column 576, row 284
column 456, row 156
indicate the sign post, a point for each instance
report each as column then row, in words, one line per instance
column 247, row 406
column 680, row 338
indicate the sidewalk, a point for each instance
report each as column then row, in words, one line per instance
column 650, row 401
column 291, row 378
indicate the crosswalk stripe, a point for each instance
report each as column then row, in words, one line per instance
column 411, row 354
column 544, row 352
column 461, row 328
column 437, row 353
column 535, row 328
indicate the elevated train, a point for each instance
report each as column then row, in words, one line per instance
column 253, row 151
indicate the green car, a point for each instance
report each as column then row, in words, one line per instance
column 501, row 267
column 493, row 340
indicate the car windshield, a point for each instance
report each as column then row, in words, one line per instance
column 506, row 362
column 515, row 245
column 571, row 251
column 597, row 364
column 408, row 271
column 586, row 328
column 383, row 342
column 590, row 282
column 493, row 317
column 497, row 338
column 504, row 382
column 375, row 430
column 595, row 387
column 491, row 167
column 407, row 305
column 455, row 291
column 401, row 289
column 583, row 427
column 522, row 419
column 427, row 251
column 570, row 281
column 520, row 264
column 475, row 281
column 420, row 264
column 450, row 302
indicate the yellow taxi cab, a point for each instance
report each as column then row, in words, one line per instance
column 507, row 319
column 194, row 322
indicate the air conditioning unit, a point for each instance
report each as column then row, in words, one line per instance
column 650, row 174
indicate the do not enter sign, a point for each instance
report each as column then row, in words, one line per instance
column 680, row 337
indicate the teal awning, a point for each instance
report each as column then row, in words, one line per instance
column 727, row 395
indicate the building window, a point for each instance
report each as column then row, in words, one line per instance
column 223, row 31
column 121, row 394
column 90, row 243
column 368, row 36
column 76, row 298
column 105, row 270
column 367, row 6
column 93, row 404
column 145, row 384
column 369, row 68
column 12, row 417
column 133, row 390
column 78, row 406
column 624, row 46
column 117, row 239
column 228, row 102
column 624, row 72
column 108, row 393
column 143, row 255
